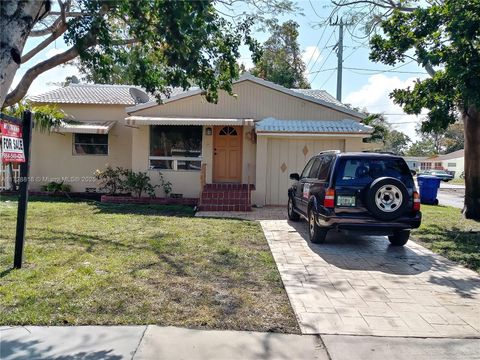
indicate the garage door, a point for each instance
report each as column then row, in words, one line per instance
column 286, row 156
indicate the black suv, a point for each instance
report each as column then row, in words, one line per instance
column 373, row 193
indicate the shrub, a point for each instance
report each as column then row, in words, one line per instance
column 166, row 185
column 55, row 187
column 138, row 183
column 120, row 181
column 111, row 179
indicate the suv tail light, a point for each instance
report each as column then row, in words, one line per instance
column 329, row 201
column 416, row 201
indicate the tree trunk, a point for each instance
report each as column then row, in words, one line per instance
column 17, row 19
column 471, row 119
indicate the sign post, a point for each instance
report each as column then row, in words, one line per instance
column 23, row 199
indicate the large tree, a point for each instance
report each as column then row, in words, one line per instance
column 281, row 61
column 396, row 142
column 447, row 36
column 170, row 43
column 443, row 36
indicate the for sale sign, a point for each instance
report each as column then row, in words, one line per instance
column 12, row 143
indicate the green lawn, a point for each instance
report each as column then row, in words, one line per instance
column 88, row 263
column 445, row 231
column 457, row 181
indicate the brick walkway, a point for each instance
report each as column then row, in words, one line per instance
column 362, row 286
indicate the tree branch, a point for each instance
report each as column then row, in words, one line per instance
column 21, row 90
column 55, row 34
column 47, row 30
column 391, row 5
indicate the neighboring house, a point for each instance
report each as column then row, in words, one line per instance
column 453, row 162
column 256, row 138
column 414, row 162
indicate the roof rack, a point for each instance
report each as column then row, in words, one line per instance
column 379, row 152
column 329, row 152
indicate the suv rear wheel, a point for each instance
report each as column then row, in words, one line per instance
column 399, row 238
column 292, row 215
column 316, row 233
column 387, row 198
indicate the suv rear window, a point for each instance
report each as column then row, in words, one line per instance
column 364, row 171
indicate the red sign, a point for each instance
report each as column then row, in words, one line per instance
column 12, row 143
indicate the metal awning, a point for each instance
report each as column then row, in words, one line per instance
column 86, row 128
column 152, row 120
column 345, row 127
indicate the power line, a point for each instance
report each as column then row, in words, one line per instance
column 374, row 72
column 324, row 62
column 316, row 46
column 328, row 78
column 320, row 53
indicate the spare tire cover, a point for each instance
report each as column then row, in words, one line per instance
column 387, row 198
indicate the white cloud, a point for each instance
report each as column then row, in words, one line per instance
column 374, row 96
column 310, row 54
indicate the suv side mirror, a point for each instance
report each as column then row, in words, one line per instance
column 294, row 176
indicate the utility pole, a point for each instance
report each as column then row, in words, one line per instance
column 339, row 46
column 340, row 61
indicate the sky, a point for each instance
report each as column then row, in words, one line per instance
column 365, row 84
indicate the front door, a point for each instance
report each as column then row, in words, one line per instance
column 227, row 154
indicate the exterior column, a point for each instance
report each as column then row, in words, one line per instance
column 259, row 195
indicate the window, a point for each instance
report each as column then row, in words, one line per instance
column 452, row 165
column 325, row 168
column 315, row 167
column 306, row 170
column 175, row 147
column 364, row 171
column 228, row 130
column 90, row 144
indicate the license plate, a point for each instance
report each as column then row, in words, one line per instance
column 346, row 201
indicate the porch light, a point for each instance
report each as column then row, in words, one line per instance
column 208, row 131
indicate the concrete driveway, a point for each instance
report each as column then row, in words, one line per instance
column 362, row 286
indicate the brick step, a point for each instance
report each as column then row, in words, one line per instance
column 225, row 195
column 211, row 207
column 221, row 186
column 225, row 201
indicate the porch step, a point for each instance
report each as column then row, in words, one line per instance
column 226, row 197
column 223, row 186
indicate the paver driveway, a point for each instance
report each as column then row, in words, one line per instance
column 363, row 286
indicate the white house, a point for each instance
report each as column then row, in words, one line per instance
column 453, row 162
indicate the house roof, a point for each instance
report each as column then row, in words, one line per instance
column 95, row 94
column 415, row 158
column 320, row 97
column 453, row 155
column 346, row 126
column 120, row 95
column 156, row 120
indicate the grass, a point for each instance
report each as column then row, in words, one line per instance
column 88, row 263
column 445, row 231
column 457, row 181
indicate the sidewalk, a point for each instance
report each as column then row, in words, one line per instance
column 155, row 342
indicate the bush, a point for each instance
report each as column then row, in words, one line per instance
column 138, row 183
column 120, row 181
column 111, row 179
column 55, row 187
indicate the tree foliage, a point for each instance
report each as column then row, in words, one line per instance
column 162, row 43
column 446, row 36
column 281, row 61
column 381, row 128
column 396, row 142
